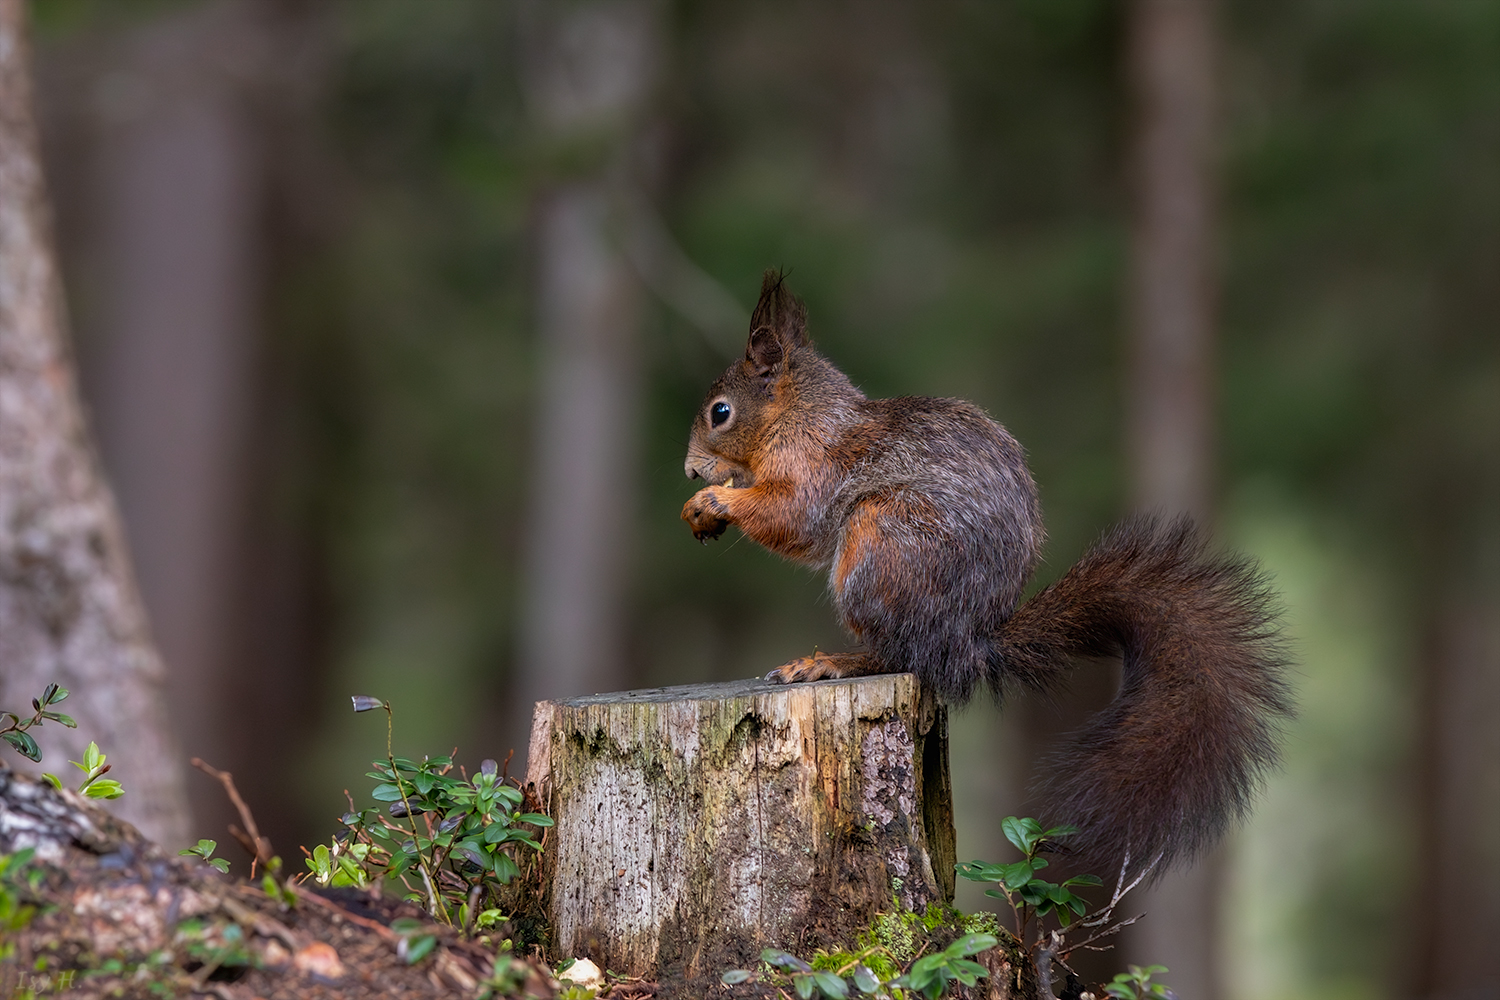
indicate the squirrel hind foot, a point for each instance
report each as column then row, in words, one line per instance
column 824, row 666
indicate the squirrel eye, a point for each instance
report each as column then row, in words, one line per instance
column 718, row 413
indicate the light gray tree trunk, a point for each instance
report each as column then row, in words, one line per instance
column 1170, row 425
column 69, row 610
column 591, row 66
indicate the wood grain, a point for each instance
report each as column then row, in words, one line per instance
column 697, row 825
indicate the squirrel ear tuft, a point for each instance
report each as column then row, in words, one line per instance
column 778, row 324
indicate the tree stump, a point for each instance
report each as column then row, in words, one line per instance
column 697, row 825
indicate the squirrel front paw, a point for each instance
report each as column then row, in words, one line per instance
column 823, row 666
column 706, row 514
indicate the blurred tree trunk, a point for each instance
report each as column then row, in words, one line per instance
column 69, row 610
column 1456, row 523
column 1171, row 300
column 178, row 148
column 590, row 68
column 1458, row 803
column 178, row 239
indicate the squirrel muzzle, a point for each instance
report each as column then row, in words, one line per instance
column 713, row 470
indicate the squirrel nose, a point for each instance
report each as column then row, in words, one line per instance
column 692, row 472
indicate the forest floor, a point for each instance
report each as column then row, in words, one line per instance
column 90, row 909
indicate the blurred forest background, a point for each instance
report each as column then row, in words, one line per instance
column 391, row 317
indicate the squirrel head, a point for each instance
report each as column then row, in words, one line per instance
column 730, row 427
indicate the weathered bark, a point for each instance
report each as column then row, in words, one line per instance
column 697, row 825
column 69, row 610
column 1170, row 398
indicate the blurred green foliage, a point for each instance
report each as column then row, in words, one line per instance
column 946, row 184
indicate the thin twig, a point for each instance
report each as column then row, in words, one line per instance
column 1114, row 929
column 259, row 847
column 334, row 907
column 247, row 844
column 260, row 923
column 416, row 839
column 1044, row 966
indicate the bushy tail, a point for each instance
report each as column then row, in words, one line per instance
column 1176, row 758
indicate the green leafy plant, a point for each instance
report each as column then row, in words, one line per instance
column 18, row 887
column 341, row 864
column 1028, row 895
column 805, row 979
column 412, row 945
column 205, row 850
column 841, row 975
column 215, row 945
column 1031, row 898
column 278, row 887
column 448, row 836
column 13, row 728
column 94, row 766
column 931, row 974
column 507, row 977
column 1137, row 985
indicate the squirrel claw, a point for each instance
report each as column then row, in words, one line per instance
column 706, row 515
column 818, row 666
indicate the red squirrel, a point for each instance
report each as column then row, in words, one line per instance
column 926, row 518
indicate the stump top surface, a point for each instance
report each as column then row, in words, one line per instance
column 717, row 692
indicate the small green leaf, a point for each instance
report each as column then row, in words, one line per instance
column 505, row 868
column 784, row 960
column 804, row 984
column 53, row 780
column 831, row 986
column 104, row 788
column 386, row 793
column 1084, row 880
column 864, row 979
column 58, row 717
column 517, row 837
column 419, row 948
column 1020, row 873
column 220, row 864
column 980, row 871
column 24, row 744
column 203, row 849
column 971, row 944
column 735, row 976
column 1024, row 832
